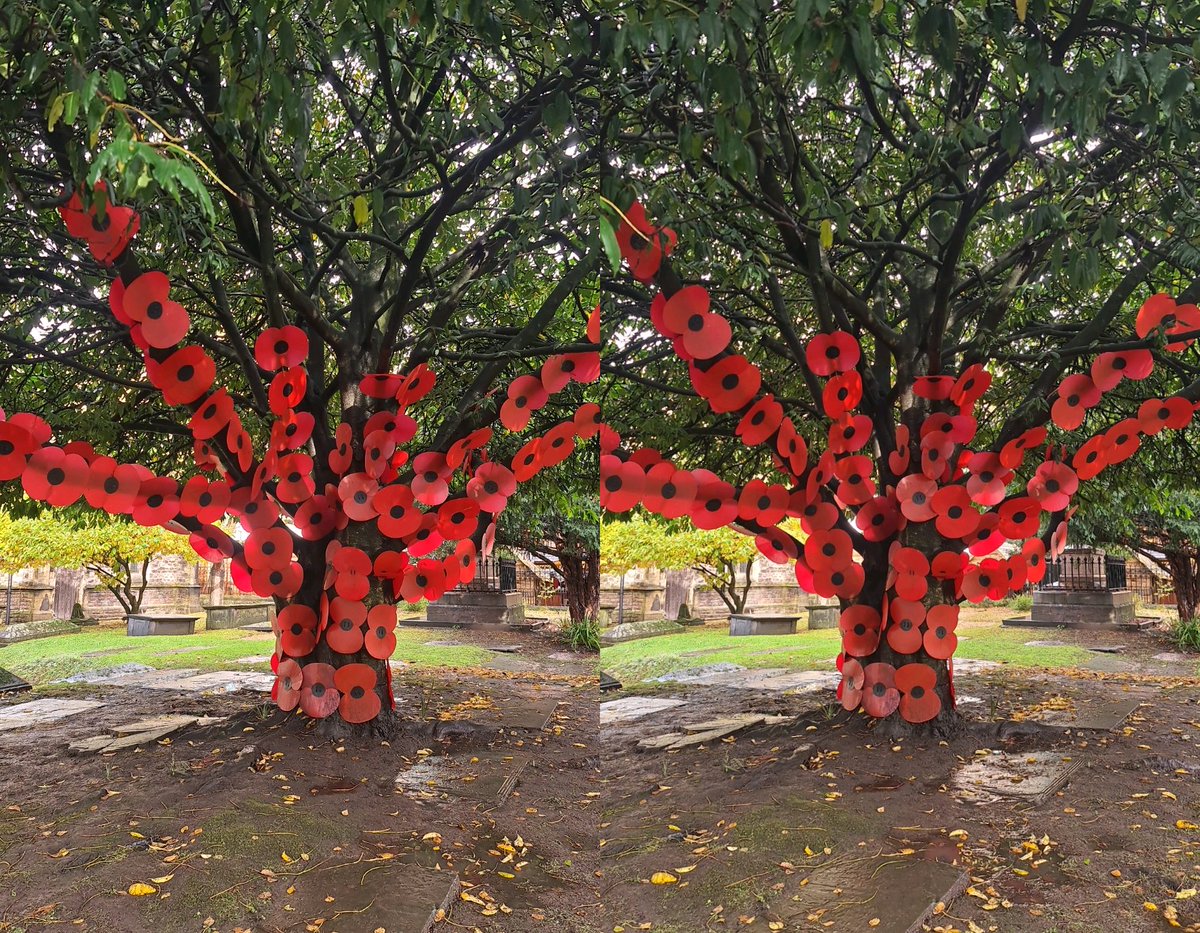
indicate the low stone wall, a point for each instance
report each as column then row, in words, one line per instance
column 34, row 603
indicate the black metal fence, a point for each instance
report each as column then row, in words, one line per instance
column 494, row 574
column 1085, row 571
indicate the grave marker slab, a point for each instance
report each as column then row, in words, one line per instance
column 37, row 712
column 393, row 896
column 1033, row 776
column 1091, row 714
column 488, row 779
column 628, row 709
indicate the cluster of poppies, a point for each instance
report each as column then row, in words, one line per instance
column 932, row 477
column 428, row 509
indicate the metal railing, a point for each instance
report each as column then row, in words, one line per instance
column 494, row 575
column 1085, row 571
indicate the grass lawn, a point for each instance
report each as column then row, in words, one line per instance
column 45, row 659
column 980, row 637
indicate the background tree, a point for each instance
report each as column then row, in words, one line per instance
column 986, row 183
column 384, row 191
column 117, row 551
column 722, row 557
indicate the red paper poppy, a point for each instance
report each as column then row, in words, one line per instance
column 1052, row 485
column 621, row 484
column 426, row 539
column 819, row 476
column 1020, row 518
column 378, row 448
column 643, row 245
column 111, row 486
column 587, row 419
column 344, row 634
column 760, row 422
column 212, row 416
column 16, row 444
column 238, row 443
column 844, row 583
column 357, row 494
column 904, row 633
column 989, row 479
column 702, row 333
column 842, row 394
column 316, row 518
column 917, row 684
column 356, row 683
column 900, row 458
column 425, row 580
column 1108, row 369
column 947, row 565
column 985, row 580
column 283, row 582
column 1076, row 394
column 776, row 545
column 297, row 627
column 418, row 383
column 204, row 456
column 934, row 388
column 389, row 565
column 860, row 630
column 526, row 394
column 1091, row 459
column 765, row 504
column 381, row 632
column 457, row 453
column 296, row 483
column 491, row 486
column 1017, row 572
column 908, row 560
column 268, row 547
column 791, row 447
column 289, row 678
column 106, row 236
column 880, row 696
column 465, row 555
column 936, row 449
column 849, row 433
column 851, row 687
column 398, row 513
column 827, row 354
column 915, row 493
column 1034, row 553
column 281, row 348
column 318, row 696
column 163, row 322
column 204, row 501
column 342, row 454
column 818, row 515
column 1058, row 540
column 970, row 387
column 954, row 515
column 253, row 513
column 286, row 390
column 987, row 537
column 729, row 384
column 1123, row 440
column 352, row 569
column 827, row 550
column 430, row 475
column 855, row 485
column 376, row 385
column 1156, row 414
column 184, row 376
column 940, row 640
column 457, row 519
column 528, row 461
column 1013, row 453
column 578, row 367
column 878, row 519
column 668, row 491
column 714, row 505
column 1162, row 311
column 54, row 476
column 557, row 444
column 212, row 544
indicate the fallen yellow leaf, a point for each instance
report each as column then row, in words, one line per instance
column 140, row 889
column 663, row 877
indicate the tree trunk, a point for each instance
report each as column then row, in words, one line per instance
column 581, row 585
column 1186, row 583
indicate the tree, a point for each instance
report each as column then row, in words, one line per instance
column 895, row 207
column 722, row 557
column 117, row 551
column 333, row 205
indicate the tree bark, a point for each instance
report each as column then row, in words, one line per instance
column 1186, row 582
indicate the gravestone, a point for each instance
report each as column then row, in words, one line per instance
column 628, row 709
column 138, row 625
column 238, row 615
column 757, row 624
column 630, row 631
column 27, row 631
column 822, row 615
column 1034, row 776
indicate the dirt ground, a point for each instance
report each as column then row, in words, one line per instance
column 249, row 824
column 742, row 826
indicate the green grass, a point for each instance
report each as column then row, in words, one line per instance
column 47, row 659
column 651, row 657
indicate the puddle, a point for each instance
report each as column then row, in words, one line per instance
column 336, row 786
column 929, row 847
column 880, row 785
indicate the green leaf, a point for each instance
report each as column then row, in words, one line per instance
column 826, row 233
column 116, row 85
column 55, row 111
column 612, row 250
column 362, row 211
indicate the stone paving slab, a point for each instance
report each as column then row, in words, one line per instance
column 254, row 659
column 532, row 715
column 767, row 680
column 391, row 896
column 37, row 712
column 1030, row 776
column 627, row 709
column 486, row 779
column 186, row 680
column 883, row 895
column 1091, row 714
column 1177, row 656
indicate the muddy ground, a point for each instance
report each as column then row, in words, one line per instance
column 790, row 827
column 258, row 824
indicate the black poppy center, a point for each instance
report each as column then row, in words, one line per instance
column 1072, row 400
column 358, row 693
column 397, row 511
column 1120, row 363
column 832, row 352
column 729, row 383
column 918, row 498
column 759, row 418
column 838, row 578
column 521, row 402
column 568, row 366
column 669, row 490
column 268, row 548
column 317, row 690
column 877, row 519
column 695, row 323
column 6, row 448
column 955, row 511
column 360, row 497
column 613, row 483
column 940, row 631
column 154, row 310
column 346, row 624
column 205, row 499
column 906, row 625
column 491, row 486
column 281, row 347
column 111, row 485
column 987, row 476
column 276, row 578
column 878, row 689
column 1052, row 485
column 56, row 477
column 186, row 373
column 917, row 692
column 712, row 505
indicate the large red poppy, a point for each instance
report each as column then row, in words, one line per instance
column 760, row 422
column 286, row 390
column 457, row 518
column 791, row 447
column 356, row 683
column 424, row 580
column 936, row 449
column 458, row 452
column 915, row 493
column 318, row 517
column 111, row 486
column 203, row 500
column 163, row 322
column 703, row 333
column 1162, row 311
column 1052, row 485
column 842, row 394
column 668, row 491
column 357, row 494
column 587, row 420
column 184, row 376
column 381, row 632
column 827, row 354
column 54, row 476
column 157, row 501
column 855, row 485
column 776, row 545
column 940, row 640
column 970, row 387
column 426, row 539
column 819, row 476
column 859, row 626
column 212, row 544
column 714, row 505
column 1091, row 458
column 318, row 695
column 849, row 433
column 431, row 476
column 621, row 484
column 985, row 580
column 398, row 512
column 917, row 684
column 851, row 687
column 1076, row 394
column 1012, row 454
column 763, row 504
column 344, row 633
column 954, row 516
column 818, row 515
column 281, row 348
column 828, row 550
column 1034, row 553
column 376, row 385
column 989, row 479
column 1108, row 369
column 1156, row 414
column 297, row 627
column 491, row 486
column 899, row 459
column 643, row 245
column 296, row 483
column 911, row 569
column 528, row 460
column 353, row 569
column 934, row 388
column 958, row 429
column 557, row 444
column 904, row 632
column 16, row 444
column 1123, row 440
column 342, row 454
column 987, row 536
column 212, row 416
column 108, row 235
column 1020, row 518
column 842, row 582
column 878, row 519
column 526, row 394
column 283, row 582
column 378, row 449
column 729, row 384
column 418, row 383
column 880, row 696
column 268, row 547
column 289, row 678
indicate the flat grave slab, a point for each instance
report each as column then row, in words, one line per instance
column 1091, row 714
column 27, row 631
column 973, row 666
column 254, row 659
column 628, row 709
column 36, row 712
column 741, row 624
column 648, row 628
column 391, row 896
column 767, row 680
column 511, row 664
column 186, row 680
column 702, row 733
column 531, row 715
column 1030, row 776
column 884, row 895
column 1177, row 656
column 138, row 625
column 11, row 683
column 486, row 779
column 1108, row 664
